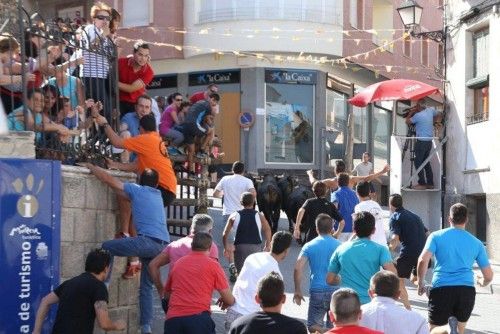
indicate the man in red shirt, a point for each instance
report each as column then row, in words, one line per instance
column 204, row 95
column 189, row 290
column 181, row 247
column 134, row 74
column 345, row 312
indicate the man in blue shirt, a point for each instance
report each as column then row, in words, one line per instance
column 129, row 126
column 345, row 199
column 408, row 230
column 149, row 218
column 452, row 296
column 354, row 263
column 317, row 252
column 423, row 119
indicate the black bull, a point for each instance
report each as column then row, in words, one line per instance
column 279, row 192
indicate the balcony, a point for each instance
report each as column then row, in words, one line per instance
column 215, row 11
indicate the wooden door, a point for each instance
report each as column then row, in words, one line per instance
column 227, row 127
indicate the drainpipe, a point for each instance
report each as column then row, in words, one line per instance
column 445, row 109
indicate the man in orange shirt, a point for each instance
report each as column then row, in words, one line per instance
column 151, row 153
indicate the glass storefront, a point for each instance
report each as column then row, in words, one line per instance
column 336, row 124
column 290, row 125
column 381, row 136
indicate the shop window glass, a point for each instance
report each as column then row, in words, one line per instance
column 381, row 137
column 336, row 124
column 289, row 123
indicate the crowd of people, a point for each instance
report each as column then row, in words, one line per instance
column 68, row 74
column 355, row 286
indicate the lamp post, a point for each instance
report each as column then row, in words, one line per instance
column 411, row 13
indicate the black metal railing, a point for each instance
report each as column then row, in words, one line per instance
column 55, row 73
column 477, row 118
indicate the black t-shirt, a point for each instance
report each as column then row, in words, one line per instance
column 77, row 296
column 197, row 111
column 313, row 207
column 411, row 231
column 267, row 323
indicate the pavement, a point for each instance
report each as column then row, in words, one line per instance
column 484, row 320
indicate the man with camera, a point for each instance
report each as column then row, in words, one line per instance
column 424, row 119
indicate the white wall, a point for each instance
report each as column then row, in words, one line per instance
column 474, row 147
column 265, row 41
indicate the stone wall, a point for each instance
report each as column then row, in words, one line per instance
column 20, row 145
column 88, row 217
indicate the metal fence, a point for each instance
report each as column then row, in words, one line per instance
column 54, row 74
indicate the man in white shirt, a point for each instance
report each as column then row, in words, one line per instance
column 365, row 168
column 368, row 205
column 256, row 266
column 231, row 187
column 383, row 314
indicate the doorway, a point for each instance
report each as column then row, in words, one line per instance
column 227, row 127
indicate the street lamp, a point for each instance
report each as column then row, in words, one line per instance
column 411, row 13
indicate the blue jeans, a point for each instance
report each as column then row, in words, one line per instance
column 422, row 151
column 319, row 305
column 201, row 323
column 146, row 249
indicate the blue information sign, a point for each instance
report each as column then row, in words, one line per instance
column 30, row 207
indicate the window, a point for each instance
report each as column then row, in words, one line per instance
column 289, row 123
column 407, row 46
column 381, row 119
column 336, row 124
column 356, row 12
column 136, row 13
column 319, row 11
column 481, row 106
column 440, row 56
column 480, row 44
column 480, row 82
column 383, row 23
column 425, row 52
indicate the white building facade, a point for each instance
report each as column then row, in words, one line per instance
column 473, row 139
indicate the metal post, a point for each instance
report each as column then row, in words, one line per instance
column 445, row 108
column 23, row 57
column 350, row 133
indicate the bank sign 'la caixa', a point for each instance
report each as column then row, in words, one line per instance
column 30, row 205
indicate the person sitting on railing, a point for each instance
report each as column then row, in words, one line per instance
column 10, row 73
column 169, row 119
column 199, row 124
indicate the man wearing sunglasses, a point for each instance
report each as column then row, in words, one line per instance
column 134, row 73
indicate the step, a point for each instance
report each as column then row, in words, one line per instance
column 188, row 202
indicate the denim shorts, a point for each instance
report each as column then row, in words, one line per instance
column 319, row 305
